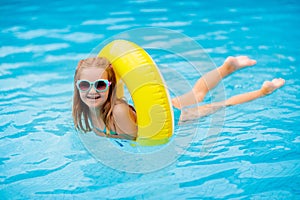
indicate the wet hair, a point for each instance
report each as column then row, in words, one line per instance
column 80, row 110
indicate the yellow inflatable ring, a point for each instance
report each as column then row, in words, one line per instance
column 136, row 69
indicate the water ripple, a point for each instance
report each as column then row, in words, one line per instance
column 6, row 68
column 108, row 21
column 32, row 174
column 255, row 155
column 36, row 49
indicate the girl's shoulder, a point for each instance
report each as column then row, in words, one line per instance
column 124, row 111
column 122, row 106
column 124, row 119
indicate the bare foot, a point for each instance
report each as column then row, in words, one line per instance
column 235, row 63
column 270, row 86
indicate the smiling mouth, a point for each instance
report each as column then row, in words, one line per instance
column 93, row 97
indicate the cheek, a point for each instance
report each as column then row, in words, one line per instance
column 81, row 95
column 83, row 98
column 105, row 95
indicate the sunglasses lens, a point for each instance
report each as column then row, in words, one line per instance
column 100, row 85
column 84, row 85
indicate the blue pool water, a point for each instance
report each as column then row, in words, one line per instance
column 252, row 151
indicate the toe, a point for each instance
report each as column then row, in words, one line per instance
column 242, row 57
column 267, row 84
column 246, row 61
column 278, row 82
column 253, row 62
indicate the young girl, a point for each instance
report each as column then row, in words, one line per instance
column 96, row 106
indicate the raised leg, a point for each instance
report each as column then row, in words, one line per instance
column 268, row 87
column 210, row 80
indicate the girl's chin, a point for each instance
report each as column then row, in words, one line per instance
column 94, row 104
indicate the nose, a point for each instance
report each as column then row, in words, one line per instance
column 92, row 90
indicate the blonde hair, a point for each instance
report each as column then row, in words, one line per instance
column 80, row 110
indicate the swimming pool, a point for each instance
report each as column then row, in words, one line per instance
column 254, row 156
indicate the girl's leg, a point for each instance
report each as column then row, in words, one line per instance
column 267, row 88
column 210, row 80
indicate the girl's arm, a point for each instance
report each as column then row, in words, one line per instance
column 125, row 121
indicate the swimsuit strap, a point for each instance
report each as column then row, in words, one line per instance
column 112, row 132
column 98, row 129
column 105, row 131
column 102, row 131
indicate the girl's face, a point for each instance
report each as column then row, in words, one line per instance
column 92, row 98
